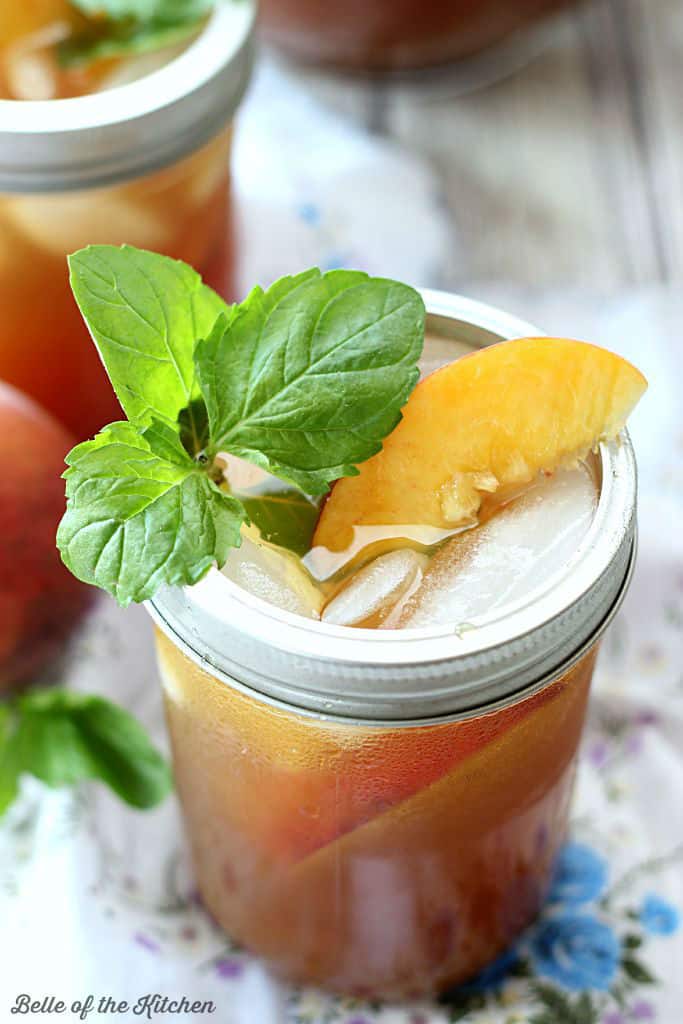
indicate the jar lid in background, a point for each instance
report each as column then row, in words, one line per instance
column 133, row 129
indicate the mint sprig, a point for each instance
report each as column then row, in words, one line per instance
column 63, row 738
column 304, row 379
column 122, row 28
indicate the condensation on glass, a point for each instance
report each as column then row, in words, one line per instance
column 145, row 164
column 380, row 814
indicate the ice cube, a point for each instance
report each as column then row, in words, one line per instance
column 275, row 575
column 31, row 69
column 501, row 562
column 376, row 589
column 59, row 224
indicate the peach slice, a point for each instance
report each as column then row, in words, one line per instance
column 495, row 418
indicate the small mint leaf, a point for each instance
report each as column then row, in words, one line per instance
column 136, row 520
column 306, row 379
column 145, row 313
column 285, row 517
column 63, row 738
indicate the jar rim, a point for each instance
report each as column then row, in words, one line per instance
column 132, row 129
column 429, row 671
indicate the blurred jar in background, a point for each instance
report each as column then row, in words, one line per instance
column 143, row 162
column 393, row 35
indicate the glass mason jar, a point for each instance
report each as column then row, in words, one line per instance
column 393, row 35
column 379, row 812
column 146, row 164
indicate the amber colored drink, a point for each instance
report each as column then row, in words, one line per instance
column 137, row 152
column 372, row 860
column 182, row 210
column 375, row 761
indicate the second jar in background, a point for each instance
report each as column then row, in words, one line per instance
column 393, row 35
column 146, row 164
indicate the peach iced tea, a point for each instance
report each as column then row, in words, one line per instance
column 375, row 690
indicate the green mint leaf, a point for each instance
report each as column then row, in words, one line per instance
column 304, row 379
column 637, row 971
column 128, row 27
column 307, row 378
column 145, row 313
column 284, row 517
column 137, row 519
column 166, row 442
column 63, row 738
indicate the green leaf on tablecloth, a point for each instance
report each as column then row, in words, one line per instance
column 460, row 1003
column 458, row 1013
column 63, row 738
column 559, row 1008
column 637, row 971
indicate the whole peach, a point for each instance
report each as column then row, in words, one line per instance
column 40, row 601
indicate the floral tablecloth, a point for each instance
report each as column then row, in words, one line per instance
column 98, row 901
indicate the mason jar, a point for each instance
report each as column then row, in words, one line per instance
column 145, row 163
column 379, row 812
column 394, row 35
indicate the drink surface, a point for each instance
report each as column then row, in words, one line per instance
column 39, row 59
column 413, row 575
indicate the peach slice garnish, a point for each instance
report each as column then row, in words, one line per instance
column 495, row 418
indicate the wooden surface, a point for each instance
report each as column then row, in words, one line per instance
column 568, row 170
